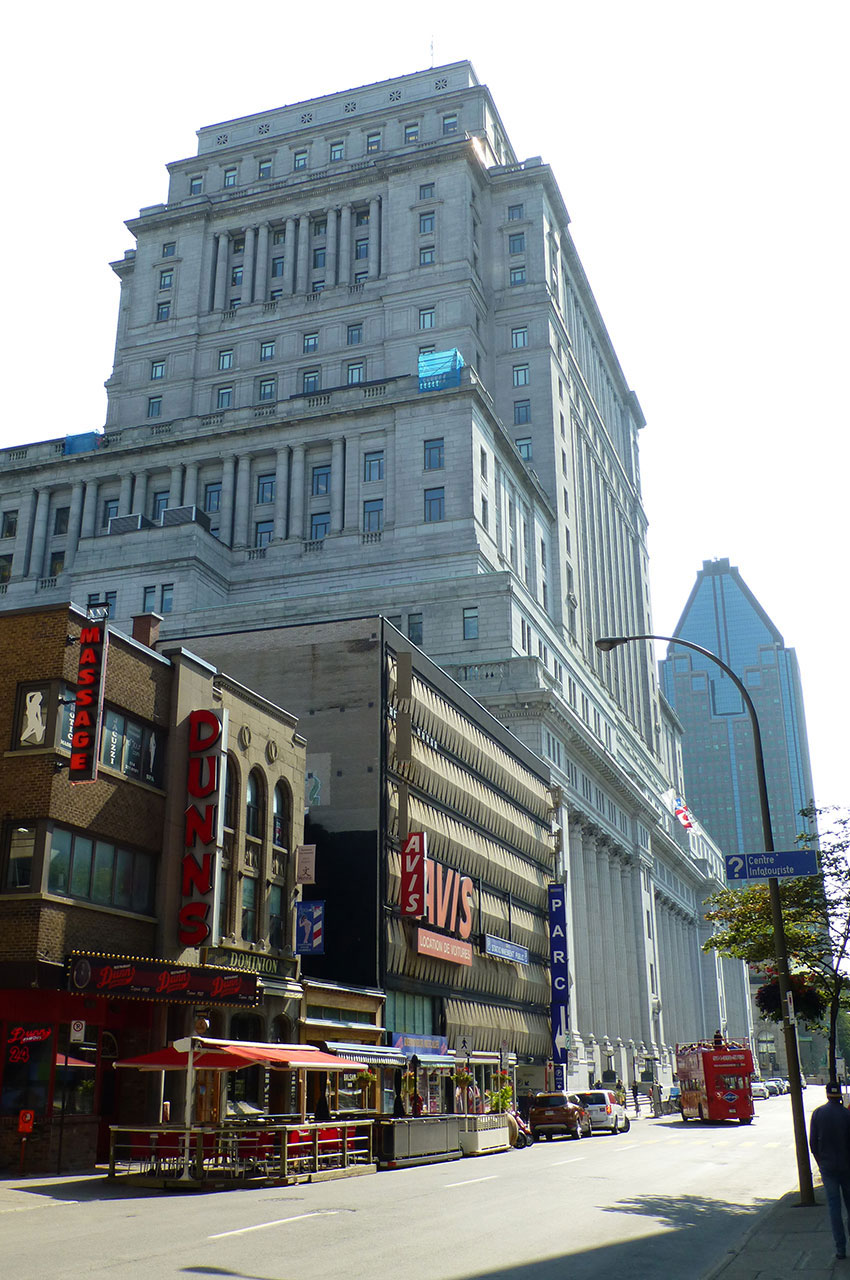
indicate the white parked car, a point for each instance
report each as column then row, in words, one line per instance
column 606, row 1114
column 759, row 1089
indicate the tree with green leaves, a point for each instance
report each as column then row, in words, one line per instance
column 816, row 911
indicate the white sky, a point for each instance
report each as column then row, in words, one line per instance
column 702, row 151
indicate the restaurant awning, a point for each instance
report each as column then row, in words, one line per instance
column 231, row 1055
column 375, row 1055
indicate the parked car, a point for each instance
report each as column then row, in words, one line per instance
column 759, row 1089
column 773, row 1088
column 606, row 1113
column 556, row 1113
column 781, row 1085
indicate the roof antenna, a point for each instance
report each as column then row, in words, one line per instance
column 432, row 52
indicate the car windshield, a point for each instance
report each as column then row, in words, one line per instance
column 594, row 1099
column 550, row 1100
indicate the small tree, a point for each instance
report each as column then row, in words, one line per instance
column 816, row 912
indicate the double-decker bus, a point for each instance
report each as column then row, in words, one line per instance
column 714, row 1081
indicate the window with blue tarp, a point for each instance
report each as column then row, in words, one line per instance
column 438, row 369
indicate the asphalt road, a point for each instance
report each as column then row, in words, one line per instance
column 665, row 1201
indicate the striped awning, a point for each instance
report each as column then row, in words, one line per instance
column 374, row 1055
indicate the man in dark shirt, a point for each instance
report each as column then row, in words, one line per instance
column 829, row 1140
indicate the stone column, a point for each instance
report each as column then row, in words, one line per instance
column 345, row 244
column 353, row 476
column 337, row 483
column 620, row 987
column 374, row 238
column 248, row 267
column 261, row 275
column 225, row 529
column 597, row 954
column 175, row 487
column 125, row 494
column 220, row 291
column 632, row 958
column 281, row 482
column 140, row 493
column 606, row 977
column 330, row 251
column 242, row 515
column 190, row 485
column 289, row 256
column 39, row 534
column 89, row 510
column 579, row 944
column 296, row 494
column 303, row 264
column 74, row 518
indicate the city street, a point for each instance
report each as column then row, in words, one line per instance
column 666, row 1200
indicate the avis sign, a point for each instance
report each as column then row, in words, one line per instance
column 198, row 920
column 414, row 856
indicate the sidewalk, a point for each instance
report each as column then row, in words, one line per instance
column 787, row 1242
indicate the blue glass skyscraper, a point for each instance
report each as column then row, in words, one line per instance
column 723, row 615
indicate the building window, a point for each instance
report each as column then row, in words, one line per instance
column 449, row 124
column 196, row 185
column 9, row 526
column 311, row 342
column 470, row 623
column 354, row 335
column 163, row 310
column 60, row 520
column 264, row 169
column 169, row 249
column 519, row 337
column 154, row 406
column 279, row 235
column 434, row 454
column 157, row 370
column 373, row 143
column 266, row 351
column 516, row 242
column 360, row 277
column 248, row 927
column 96, row 871
column 361, row 249
column 517, row 275
column 108, row 602
column 414, row 628
column 427, row 256
column 310, row 382
column 265, row 488
column 435, row 505
column 224, row 398
column 277, row 267
column 57, row 563
column 426, row 317
column 148, row 599
column 160, row 503
column 225, row 361
column 236, row 276
column 337, row 152
column 166, row 597
column 354, row 373
column 373, row 515
column 524, row 448
column 317, row 286
column 230, row 177
column 321, row 480
column 238, row 246
column 299, row 160
column 267, row 389
column 485, row 513
column 318, row 258
column 373, row 465
column 361, row 218
column 320, row 227
column 426, row 191
column 212, row 496
column 275, row 294
column 521, row 375
column 426, row 223
column 411, row 132
column 516, row 212
column 110, row 510
column 166, row 279
column 263, row 531
column 483, row 463
column 234, row 303
column 320, row 525
column 522, row 412
column 277, row 920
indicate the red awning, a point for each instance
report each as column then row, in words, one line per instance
column 231, row 1055
column 61, row 1061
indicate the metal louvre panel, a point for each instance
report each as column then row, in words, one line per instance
column 487, row 1025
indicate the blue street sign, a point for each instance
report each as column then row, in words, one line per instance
column 760, row 866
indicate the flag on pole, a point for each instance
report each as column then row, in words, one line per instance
column 683, row 813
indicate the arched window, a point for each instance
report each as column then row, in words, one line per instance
column 282, row 831
column 254, row 797
column 231, row 791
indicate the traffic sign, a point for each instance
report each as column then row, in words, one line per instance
column 78, row 1032
column 760, row 866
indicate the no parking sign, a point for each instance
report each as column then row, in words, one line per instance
column 26, row 1120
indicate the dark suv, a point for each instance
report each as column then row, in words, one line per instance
column 558, row 1113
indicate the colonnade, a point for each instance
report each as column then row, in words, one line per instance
column 338, row 243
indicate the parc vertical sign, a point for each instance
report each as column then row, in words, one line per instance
column 559, row 971
column 88, row 705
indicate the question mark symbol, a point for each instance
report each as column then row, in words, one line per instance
column 736, row 867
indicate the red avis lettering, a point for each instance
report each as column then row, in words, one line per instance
column 198, row 868
column 449, row 899
column 414, row 857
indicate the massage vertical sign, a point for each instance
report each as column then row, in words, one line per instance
column 88, row 705
column 414, row 856
column 204, row 819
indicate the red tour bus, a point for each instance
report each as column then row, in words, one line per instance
column 714, row 1081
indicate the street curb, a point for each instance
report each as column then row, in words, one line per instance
column 761, row 1219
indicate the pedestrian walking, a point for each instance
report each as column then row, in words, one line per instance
column 636, row 1098
column 829, row 1141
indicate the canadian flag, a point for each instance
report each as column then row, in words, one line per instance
column 683, row 813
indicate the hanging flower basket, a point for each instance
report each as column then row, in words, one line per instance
column 408, row 1082
column 462, row 1078
column 809, row 1004
column 364, row 1078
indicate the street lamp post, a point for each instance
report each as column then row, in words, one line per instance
column 804, row 1169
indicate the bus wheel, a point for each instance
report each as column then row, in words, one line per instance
column 685, row 1118
column 746, row 1120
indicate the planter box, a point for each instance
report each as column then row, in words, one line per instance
column 480, row 1134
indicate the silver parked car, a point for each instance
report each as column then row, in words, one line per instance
column 606, row 1114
